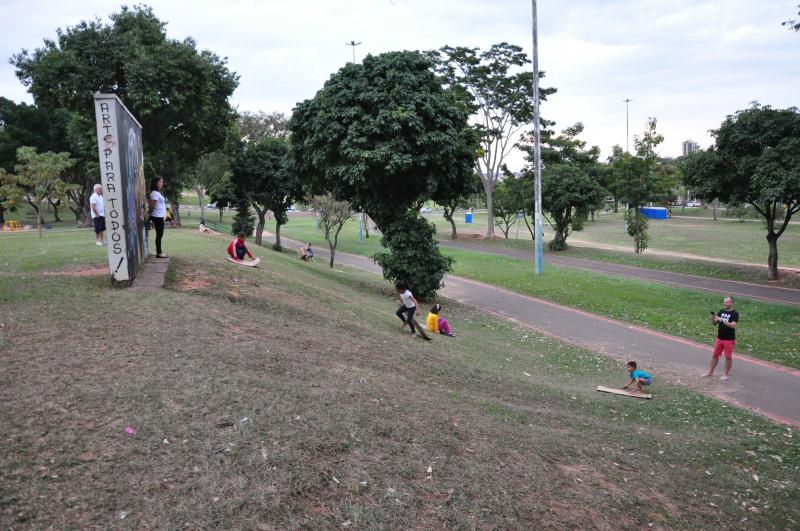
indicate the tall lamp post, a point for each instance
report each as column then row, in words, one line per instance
column 537, row 149
column 353, row 44
column 627, row 102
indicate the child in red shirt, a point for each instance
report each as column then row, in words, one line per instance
column 237, row 248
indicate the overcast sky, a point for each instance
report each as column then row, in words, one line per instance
column 686, row 62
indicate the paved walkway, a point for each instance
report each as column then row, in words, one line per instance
column 152, row 275
column 762, row 387
column 734, row 288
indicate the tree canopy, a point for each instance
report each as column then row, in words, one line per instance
column 260, row 172
column 381, row 134
column 179, row 94
column 755, row 159
column 498, row 90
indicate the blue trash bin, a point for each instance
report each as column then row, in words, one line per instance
column 468, row 217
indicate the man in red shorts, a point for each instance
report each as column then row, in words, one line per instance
column 726, row 321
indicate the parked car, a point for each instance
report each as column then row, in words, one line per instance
column 424, row 210
column 694, row 203
column 211, row 205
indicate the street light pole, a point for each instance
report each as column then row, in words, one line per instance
column 353, row 44
column 627, row 101
column 537, row 149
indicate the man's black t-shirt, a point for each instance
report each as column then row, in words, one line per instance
column 724, row 332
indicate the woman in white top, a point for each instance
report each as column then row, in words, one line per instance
column 158, row 210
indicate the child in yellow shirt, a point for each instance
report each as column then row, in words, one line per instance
column 438, row 324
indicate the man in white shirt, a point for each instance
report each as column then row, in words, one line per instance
column 98, row 214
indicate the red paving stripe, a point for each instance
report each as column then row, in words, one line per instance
column 742, row 357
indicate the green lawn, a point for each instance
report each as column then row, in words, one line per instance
column 260, row 400
column 726, row 241
column 768, row 331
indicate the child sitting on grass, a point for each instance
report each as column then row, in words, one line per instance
column 438, row 324
column 638, row 377
column 237, row 248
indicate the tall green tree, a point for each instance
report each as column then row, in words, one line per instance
column 571, row 176
column 38, row 179
column 260, row 172
column 640, row 178
column 380, row 134
column 498, row 87
column 755, row 159
column 180, row 95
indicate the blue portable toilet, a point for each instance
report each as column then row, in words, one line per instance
column 468, row 216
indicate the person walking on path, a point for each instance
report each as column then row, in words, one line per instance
column 98, row 214
column 158, row 211
column 726, row 320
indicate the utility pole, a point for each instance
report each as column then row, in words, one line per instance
column 627, row 101
column 537, row 149
column 353, row 44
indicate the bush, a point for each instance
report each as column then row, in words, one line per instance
column 413, row 255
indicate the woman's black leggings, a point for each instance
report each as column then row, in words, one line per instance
column 158, row 223
column 402, row 310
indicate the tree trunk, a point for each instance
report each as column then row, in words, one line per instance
column 448, row 215
column 277, row 245
column 176, row 214
column 332, row 254
column 772, row 260
column 616, row 206
column 260, row 225
column 638, row 228
column 55, row 205
column 202, row 208
column 489, row 212
column 366, row 225
column 220, row 215
column 2, row 214
column 39, row 217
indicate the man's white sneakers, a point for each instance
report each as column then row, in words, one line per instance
column 724, row 377
column 98, row 243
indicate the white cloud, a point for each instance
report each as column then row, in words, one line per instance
column 688, row 63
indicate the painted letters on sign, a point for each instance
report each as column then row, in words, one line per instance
column 119, row 144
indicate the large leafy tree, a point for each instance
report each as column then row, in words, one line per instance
column 381, row 134
column 571, row 177
column 640, row 178
column 260, row 172
column 179, row 94
column 755, row 159
column 37, row 178
column 47, row 131
column 498, row 88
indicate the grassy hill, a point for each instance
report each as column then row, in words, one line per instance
column 287, row 397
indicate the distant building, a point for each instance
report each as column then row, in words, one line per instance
column 690, row 146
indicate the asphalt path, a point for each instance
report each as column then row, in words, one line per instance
column 774, row 294
column 762, row 387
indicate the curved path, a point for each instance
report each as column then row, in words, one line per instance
column 735, row 288
column 759, row 386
